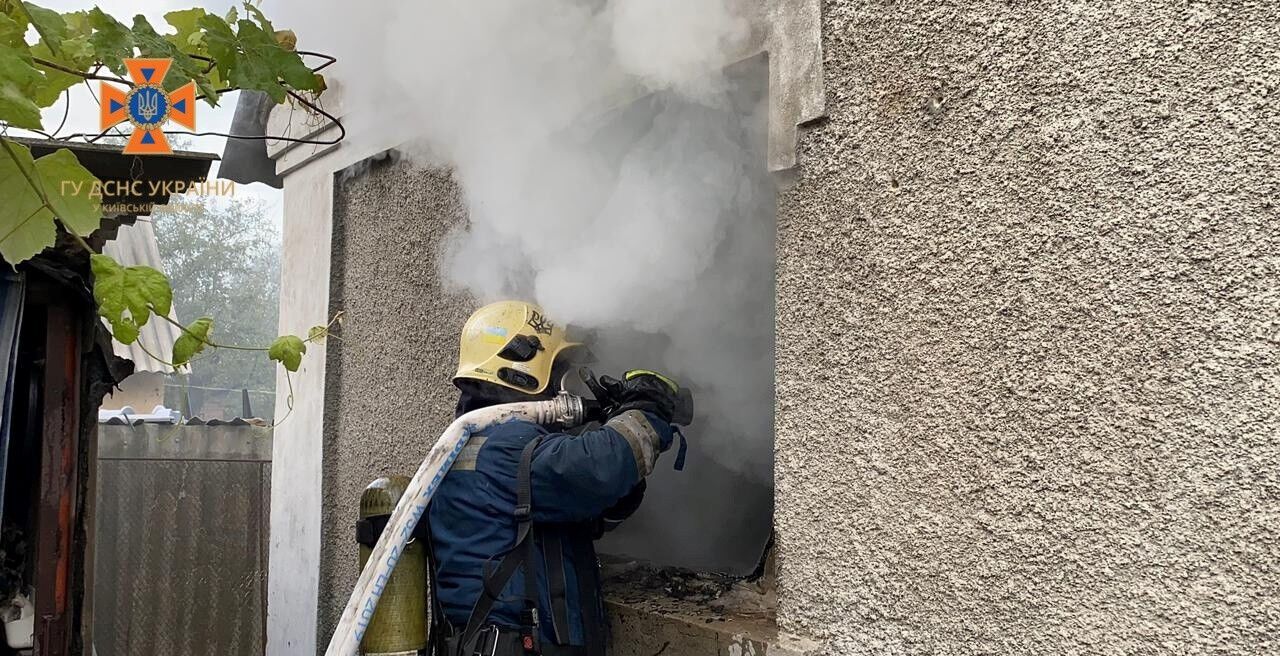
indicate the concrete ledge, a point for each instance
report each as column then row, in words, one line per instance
column 639, row 631
column 678, row 613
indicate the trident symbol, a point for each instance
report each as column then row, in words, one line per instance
column 147, row 106
column 148, row 103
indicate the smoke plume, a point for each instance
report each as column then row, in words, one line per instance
column 612, row 161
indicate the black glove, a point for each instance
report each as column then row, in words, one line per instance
column 641, row 390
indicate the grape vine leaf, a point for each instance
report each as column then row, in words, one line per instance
column 220, row 41
column 186, row 21
column 287, row 350
column 125, row 330
column 69, row 45
column 17, row 75
column 192, row 340
column 26, row 220
column 12, row 32
column 317, row 333
column 135, row 290
column 252, row 58
column 51, row 85
column 69, row 188
column 49, row 24
column 185, row 69
column 26, row 225
column 112, row 42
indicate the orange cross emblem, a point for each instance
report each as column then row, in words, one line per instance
column 148, row 106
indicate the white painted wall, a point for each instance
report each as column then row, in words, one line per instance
column 294, row 555
column 297, row 475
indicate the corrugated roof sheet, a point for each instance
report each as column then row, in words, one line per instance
column 127, row 416
column 136, row 244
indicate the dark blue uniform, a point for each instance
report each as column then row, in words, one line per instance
column 575, row 480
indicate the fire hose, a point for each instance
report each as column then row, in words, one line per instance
column 567, row 409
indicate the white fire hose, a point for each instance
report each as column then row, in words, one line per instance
column 565, row 409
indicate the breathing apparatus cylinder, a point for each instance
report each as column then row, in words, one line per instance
column 399, row 625
column 388, row 557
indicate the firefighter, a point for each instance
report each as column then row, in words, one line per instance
column 512, row 525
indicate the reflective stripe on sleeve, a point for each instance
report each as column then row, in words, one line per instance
column 641, row 436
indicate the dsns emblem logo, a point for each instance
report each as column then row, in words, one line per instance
column 148, row 106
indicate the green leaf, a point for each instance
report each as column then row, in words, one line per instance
column 17, row 75
column 12, row 32
column 78, row 24
column 261, row 43
column 192, row 340
column 253, row 58
column 108, row 289
column 52, row 83
column 26, row 225
column 78, row 51
column 112, row 42
column 124, row 330
column 221, row 43
column 262, row 19
column 68, row 187
column 48, row 23
column 148, row 286
column 187, row 23
column 135, row 290
column 185, row 69
column 287, row 350
column 26, row 222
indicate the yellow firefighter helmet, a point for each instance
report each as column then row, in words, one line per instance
column 512, row 344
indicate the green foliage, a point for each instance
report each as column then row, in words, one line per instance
column 135, row 290
column 68, row 186
column 49, row 24
column 185, row 67
column 34, row 191
column 185, row 20
column 287, row 350
column 70, row 47
column 192, row 340
column 18, row 75
column 64, row 41
column 208, row 49
column 112, row 42
column 253, row 57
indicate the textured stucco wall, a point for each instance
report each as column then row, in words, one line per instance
column 398, row 351
column 1028, row 332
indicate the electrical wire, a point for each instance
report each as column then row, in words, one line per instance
column 66, row 111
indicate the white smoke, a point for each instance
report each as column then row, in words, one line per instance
column 612, row 175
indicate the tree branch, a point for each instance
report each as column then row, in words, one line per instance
column 71, row 71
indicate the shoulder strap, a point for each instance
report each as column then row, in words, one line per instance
column 496, row 581
column 553, row 556
column 438, row 626
column 595, row 630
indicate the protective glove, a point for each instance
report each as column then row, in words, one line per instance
column 647, row 391
column 664, row 404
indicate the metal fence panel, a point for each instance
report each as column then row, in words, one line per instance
column 181, row 540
